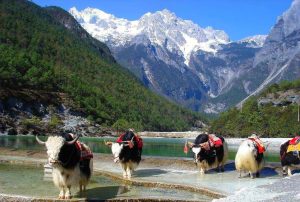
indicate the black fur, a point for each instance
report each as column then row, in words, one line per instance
column 85, row 169
column 133, row 154
column 214, row 152
column 289, row 158
column 259, row 156
column 69, row 157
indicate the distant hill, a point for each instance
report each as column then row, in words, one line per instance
column 46, row 50
column 273, row 113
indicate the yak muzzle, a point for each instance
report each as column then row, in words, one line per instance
column 53, row 162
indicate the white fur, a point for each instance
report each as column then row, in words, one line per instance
column 128, row 167
column 116, row 149
column 53, row 145
column 203, row 165
column 245, row 158
column 64, row 178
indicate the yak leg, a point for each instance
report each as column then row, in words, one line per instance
column 240, row 173
column 61, row 193
column 128, row 170
column 202, row 170
column 68, row 193
column 124, row 169
column 284, row 170
column 257, row 174
column 289, row 171
column 251, row 175
column 217, row 169
column 222, row 167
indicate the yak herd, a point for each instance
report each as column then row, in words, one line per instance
column 72, row 160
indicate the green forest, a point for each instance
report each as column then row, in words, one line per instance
column 38, row 52
column 267, row 120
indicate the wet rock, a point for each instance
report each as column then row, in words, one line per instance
column 1, row 107
column 22, row 131
column 12, row 131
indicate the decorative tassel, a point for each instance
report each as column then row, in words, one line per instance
column 185, row 149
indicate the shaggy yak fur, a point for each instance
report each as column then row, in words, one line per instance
column 209, row 156
column 248, row 159
column 288, row 159
column 129, row 158
column 68, row 169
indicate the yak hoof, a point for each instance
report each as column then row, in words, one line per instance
column 61, row 197
column 68, row 197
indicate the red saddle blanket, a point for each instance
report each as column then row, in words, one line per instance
column 214, row 140
column 85, row 152
column 295, row 140
column 137, row 138
column 259, row 144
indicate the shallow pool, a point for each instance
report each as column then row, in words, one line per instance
column 29, row 181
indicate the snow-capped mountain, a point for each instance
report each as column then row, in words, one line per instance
column 256, row 41
column 162, row 28
column 198, row 67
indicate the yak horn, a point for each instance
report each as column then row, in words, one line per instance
column 107, row 143
column 126, row 142
column 190, row 144
column 72, row 141
column 267, row 144
column 39, row 141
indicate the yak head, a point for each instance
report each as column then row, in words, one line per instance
column 196, row 149
column 116, row 148
column 200, row 144
column 54, row 145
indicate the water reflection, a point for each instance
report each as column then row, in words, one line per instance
column 28, row 181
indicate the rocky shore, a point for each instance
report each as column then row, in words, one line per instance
column 42, row 113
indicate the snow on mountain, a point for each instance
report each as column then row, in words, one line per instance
column 196, row 66
column 163, row 28
column 256, row 41
column 291, row 18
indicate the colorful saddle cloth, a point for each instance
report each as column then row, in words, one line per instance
column 85, row 152
column 295, row 140
column 214, row 140
column 260, row 146
column 137, row 138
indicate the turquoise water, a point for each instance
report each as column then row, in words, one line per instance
column 165, row 147
column 29, row 181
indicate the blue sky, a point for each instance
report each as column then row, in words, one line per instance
column 238, row 18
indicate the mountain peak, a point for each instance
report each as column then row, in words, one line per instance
column 163, row 28
column 255, row 41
